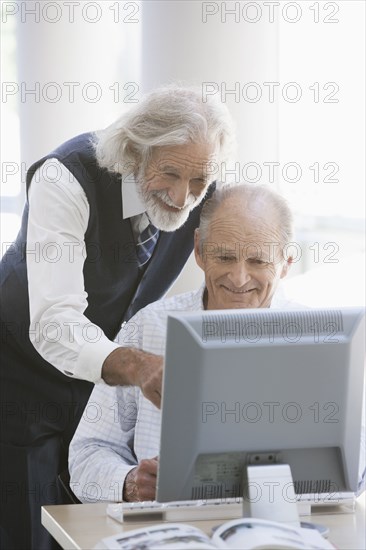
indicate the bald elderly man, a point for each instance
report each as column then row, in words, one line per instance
column 241, row 245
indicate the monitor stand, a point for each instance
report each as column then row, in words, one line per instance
column 269, row 494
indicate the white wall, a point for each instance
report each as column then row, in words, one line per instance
column 118, row 50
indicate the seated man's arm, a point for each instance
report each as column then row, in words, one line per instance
column 140, row 483
column 101, row 452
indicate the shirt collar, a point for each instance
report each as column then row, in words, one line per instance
column 198, row 298
column 132, row 204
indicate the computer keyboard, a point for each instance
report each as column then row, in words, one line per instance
column 173, row 511
column 230, row 508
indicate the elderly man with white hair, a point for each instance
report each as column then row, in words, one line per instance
column 108, row 226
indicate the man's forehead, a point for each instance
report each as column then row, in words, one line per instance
column 195, row 151
column 264, row 249
column 244, row 227
column 232, row 225
column 193, row 154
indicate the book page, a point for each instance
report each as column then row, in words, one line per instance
column 164, row 536
column 251, row 533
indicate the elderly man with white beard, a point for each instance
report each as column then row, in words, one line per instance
column 107, row 227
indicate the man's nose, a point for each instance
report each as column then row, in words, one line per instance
column 179, row 192
column 239, row 274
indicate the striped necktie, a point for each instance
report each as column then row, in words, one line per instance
column 146, row 242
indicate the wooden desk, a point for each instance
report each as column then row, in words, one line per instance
column 81, row 526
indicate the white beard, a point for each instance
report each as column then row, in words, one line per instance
column 166, row 220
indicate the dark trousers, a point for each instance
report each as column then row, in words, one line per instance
column 40, row 411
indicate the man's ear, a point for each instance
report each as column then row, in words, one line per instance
column 286, row 266
column 197, row 252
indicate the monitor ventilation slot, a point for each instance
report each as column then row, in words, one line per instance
column 290, row 324
column 313, row 486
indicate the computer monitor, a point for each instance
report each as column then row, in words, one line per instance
column 261, row 386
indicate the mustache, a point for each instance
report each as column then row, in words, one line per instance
column 164, row 197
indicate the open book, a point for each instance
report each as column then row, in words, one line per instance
column 243, row 533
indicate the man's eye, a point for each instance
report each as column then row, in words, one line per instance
column 257, row 261
column 170, row 175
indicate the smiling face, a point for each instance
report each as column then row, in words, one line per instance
column 241, row 256
column 175, row 181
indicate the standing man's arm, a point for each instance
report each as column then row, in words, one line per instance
column 59, row 330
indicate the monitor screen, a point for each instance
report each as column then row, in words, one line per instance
column 261, row 386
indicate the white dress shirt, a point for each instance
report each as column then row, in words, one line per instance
column 58, row 219
column 119, row 426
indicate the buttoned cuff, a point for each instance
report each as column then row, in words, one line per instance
column 91, row 359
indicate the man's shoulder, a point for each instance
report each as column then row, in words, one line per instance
column 186, row 301
column 281, row 300
column 149, row 324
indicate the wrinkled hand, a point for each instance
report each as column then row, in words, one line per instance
column 150, row 378
column 140, row 483
column 129, row 366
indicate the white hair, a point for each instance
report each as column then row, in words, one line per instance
column 252, row 194
column 168, row 116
